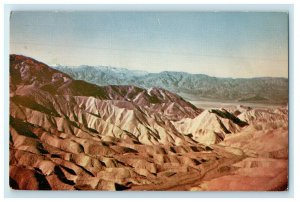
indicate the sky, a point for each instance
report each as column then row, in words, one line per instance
column 221, row 44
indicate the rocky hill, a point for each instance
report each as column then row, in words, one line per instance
column 68, row 134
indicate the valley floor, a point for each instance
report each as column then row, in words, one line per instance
column 209, row 104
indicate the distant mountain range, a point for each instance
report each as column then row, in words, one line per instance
column 190, row 86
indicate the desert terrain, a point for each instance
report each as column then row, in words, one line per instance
column 68, row 134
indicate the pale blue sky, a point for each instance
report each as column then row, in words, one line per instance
column 224, row 44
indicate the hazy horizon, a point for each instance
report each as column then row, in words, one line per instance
column 220, row 44
column 99, row 66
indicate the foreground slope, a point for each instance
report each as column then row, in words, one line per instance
column 70, row 134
